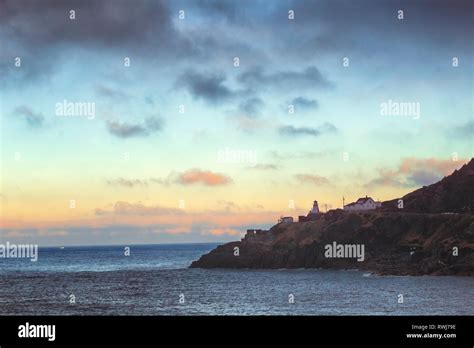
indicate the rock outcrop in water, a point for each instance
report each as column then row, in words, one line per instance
column 432, row 235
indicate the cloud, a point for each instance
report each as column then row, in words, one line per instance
column 332, row 27
column 115, row 26
column 131, row 183
column 427, row 171
column 137, row 209
column 207, row 178
column 189, row 177
column 139, row 223
column 302, row 154
column 52, row 233
column 126, row 130
column 415, row 172
column 126, row 182
column 33, row 119
column 107, row 24
column 223, row 231
column 251, row 106
column 111, row 93
column 149, row 100
column 423, row 177
column 250, row 124
column 225, row 207
column 219, row 9
column 312, row 179
column 107, row 15
column 147, row 27
column 304, row 103
column 154, row 124
column 262, row 166
column 308, row 78
column 290, row 130
column 210, row 88
column 228, row 206
column 299, row 131
column 386, row 177
column 228, row 214
column 463, row 131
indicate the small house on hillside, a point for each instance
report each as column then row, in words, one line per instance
column 364, row 203
column 253, row 233
column 285, row 219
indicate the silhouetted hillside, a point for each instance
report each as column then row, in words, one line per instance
column 454, row 193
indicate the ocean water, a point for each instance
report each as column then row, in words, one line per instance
column 154, row 278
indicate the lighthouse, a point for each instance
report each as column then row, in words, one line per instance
column 313, row 214
column 315, row 209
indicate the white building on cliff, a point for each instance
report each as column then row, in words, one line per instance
column 364, row 203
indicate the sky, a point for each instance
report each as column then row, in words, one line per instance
column 192, row 121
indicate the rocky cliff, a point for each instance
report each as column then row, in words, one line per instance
column 432, row 234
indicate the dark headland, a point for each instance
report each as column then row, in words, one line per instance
column 433, row 234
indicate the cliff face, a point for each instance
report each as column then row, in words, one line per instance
column 432, row 234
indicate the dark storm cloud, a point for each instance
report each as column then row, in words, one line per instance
column 125, row 130
column 347, row 26
column 33, row 119
column 362, row 26
column 209, row 87
column 229, row 10
column 103, row 23
column 128, row 130
column 291, row 130
column 309, row 77
column 32, row 68
column 41, row 31
column 301, row 131
column 112, row 93
column 304, row 103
